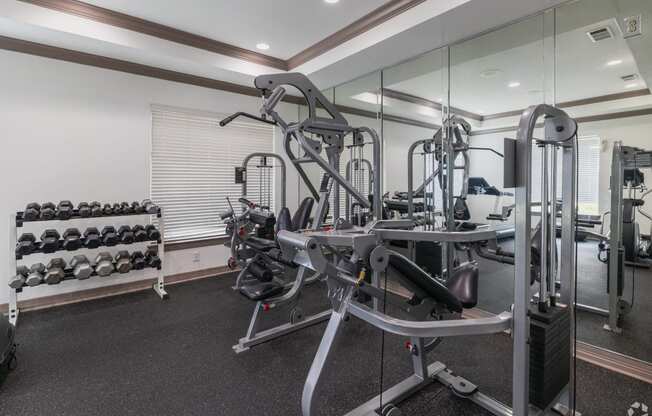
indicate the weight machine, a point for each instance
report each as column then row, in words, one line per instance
column 624, row 245
column 539, row 385
column 330, row 133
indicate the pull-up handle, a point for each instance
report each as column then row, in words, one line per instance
column 488, row 149
column 230, row 118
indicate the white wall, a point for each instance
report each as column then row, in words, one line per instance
column 82, row 133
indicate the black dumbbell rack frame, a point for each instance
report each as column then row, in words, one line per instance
column 17, row 221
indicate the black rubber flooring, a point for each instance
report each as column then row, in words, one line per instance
column 496, row 295
column 137, row 355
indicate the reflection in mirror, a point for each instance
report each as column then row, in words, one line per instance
column 414, row 94
column 493, row 79
column 359, row 102
column 603, row 76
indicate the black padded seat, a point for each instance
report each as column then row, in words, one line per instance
column 261, row 291
column 464, row 285
column 302, row 216
column 461, row 210
column 261, row 244
column 284, row 220
column 437, row 291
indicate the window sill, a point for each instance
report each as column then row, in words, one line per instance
column 189, row 244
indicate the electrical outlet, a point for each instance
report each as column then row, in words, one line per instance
column 632, row 26
column 196, row 258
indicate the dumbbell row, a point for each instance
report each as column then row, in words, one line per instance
column 51, row 241
column 80, row 268
column 65, row 210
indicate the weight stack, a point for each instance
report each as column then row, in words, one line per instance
column 550, row 353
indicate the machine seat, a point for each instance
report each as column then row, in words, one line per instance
column 464, row 285
column 261, row 291
column 302, row 216
column 433, row 288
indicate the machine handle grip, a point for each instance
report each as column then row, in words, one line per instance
column 232, row 117
column 246, row 202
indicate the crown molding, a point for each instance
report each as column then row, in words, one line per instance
column 98, row 14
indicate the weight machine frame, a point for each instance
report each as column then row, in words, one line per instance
column 332, row 131
column 368, row 243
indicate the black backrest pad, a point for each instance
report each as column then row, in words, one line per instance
column 284, row 222
column 464, row 285
column 424, row 281
column 302, row 216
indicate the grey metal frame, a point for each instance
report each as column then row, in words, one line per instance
column 332, row 132
column 246, row 161
column 623, row 157
column 368, row 243
column 349, row 173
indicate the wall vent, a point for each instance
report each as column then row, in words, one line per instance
column 600, row 34
column 631, row 77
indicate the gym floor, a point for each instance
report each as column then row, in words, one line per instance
column 136, row 355
column 496, row 293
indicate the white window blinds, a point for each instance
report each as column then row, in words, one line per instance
column 588, row 172
column 193, row 164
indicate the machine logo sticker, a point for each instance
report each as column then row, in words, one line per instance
column 638, row 409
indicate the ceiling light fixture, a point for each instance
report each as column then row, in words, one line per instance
column 331, row 1
column 262, row 46
column 514, row 84
column 615, row 62
column 632, row 85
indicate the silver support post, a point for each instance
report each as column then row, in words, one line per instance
column 545, row 218
column 159, row 285
column 13, row 294
column 522, row 243
column 615, row 243
column 567, row 262
column 309, row 388
column 552, row 283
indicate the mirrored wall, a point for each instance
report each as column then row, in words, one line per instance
column 587, row 57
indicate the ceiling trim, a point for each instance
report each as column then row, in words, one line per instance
column 83, row 58
column 98, row 14
column 576, row 103
column 583, row 119
column 98, row 61
column 413, row 99
column 367, row 22
column 135, row 24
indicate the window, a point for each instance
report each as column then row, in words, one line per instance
column 588, row 171
column 193, row 165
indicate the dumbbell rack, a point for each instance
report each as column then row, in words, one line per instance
column 16, row 221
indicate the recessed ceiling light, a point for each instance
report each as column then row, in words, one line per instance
column 262, row 46
column 331, row 1
column 615, row 62
column 632, row 85
column 490, row 73
column 440, row 100
column 514, row 84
